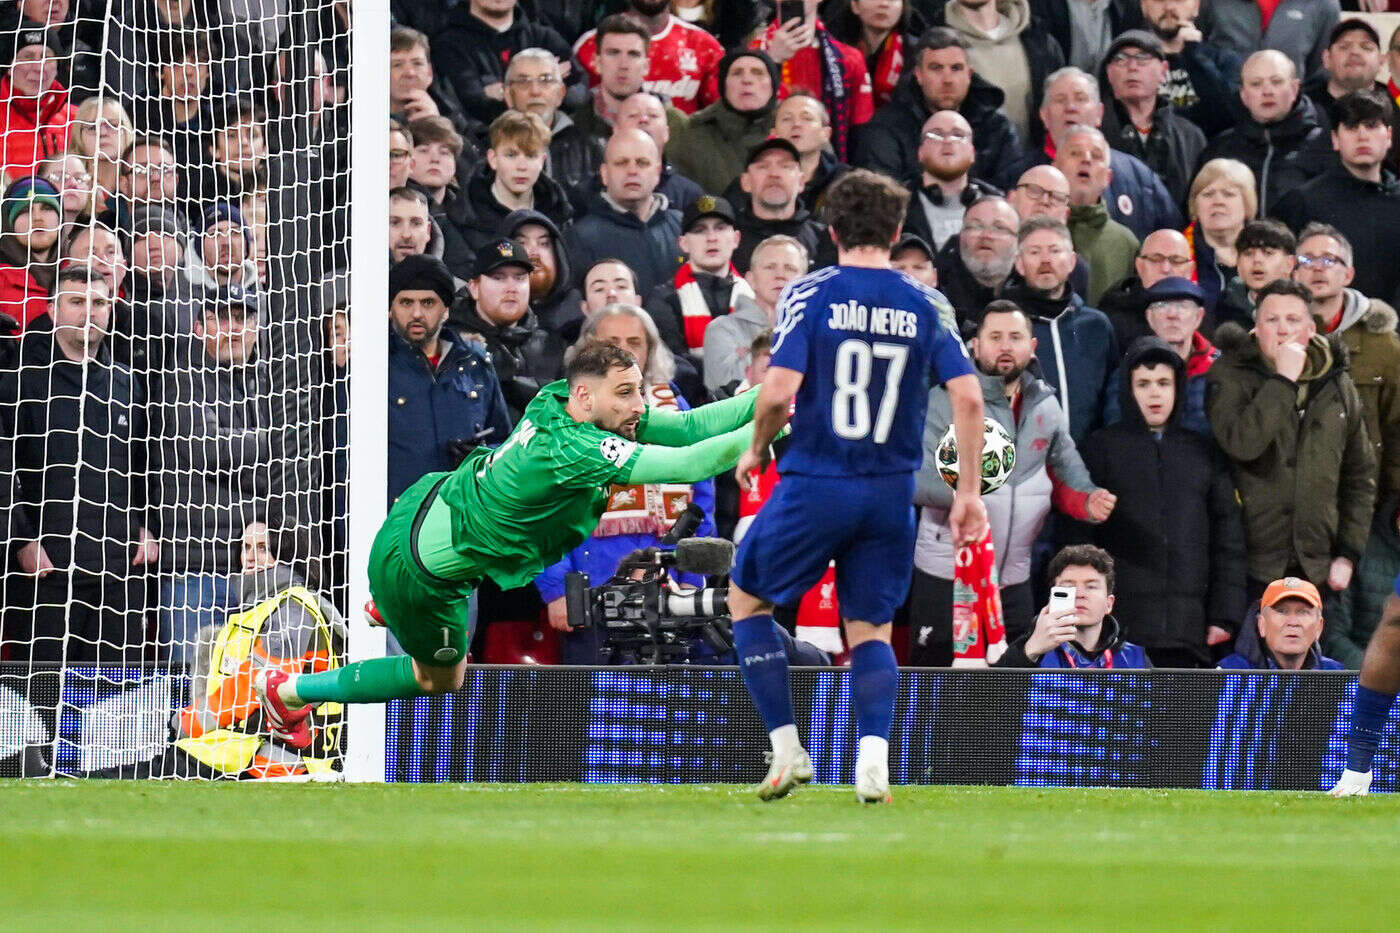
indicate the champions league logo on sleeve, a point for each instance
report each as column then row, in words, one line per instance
column 616, row 450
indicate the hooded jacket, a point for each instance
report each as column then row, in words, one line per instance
column 1175, row 535
column 1367, row 213
column 1302, row 462
column 1252, row 654
column 1281, row 155
column 1046, row 458
column 1353, row 614
column 457, row 400
column 1078, row 355
column 470, row 55
column 214, row 424
column 1114, row 653
column 32, row 129
column 712, row 148
column 1135, row 197
column 485, row 214
column 1368, row 327
column 558, row 318
column 607, row 231
column 889, row 143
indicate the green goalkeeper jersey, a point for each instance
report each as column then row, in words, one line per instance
column 521, row 507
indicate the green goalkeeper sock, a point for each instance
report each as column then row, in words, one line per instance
column 377, row 680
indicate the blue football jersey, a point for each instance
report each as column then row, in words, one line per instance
column 867, row 342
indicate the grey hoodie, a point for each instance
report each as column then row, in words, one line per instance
column 727, row 341
column 999, row 56
column 1016, row 511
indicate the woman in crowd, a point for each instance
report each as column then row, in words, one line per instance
column 99, row 134
column 1222, row 199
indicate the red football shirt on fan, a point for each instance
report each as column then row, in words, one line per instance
column 804, row 72
column 683, row 64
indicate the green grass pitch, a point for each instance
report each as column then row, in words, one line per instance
column 138, row 855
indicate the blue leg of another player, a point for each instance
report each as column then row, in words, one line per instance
column 874, row 683
column 764, row 668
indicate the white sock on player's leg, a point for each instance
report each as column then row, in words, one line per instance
column 785, row 740
column 872, row 749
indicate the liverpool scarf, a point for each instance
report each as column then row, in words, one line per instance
column 979, row 637
column 696, row 314
column 889, row 65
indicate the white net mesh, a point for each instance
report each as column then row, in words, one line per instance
column 173, row 251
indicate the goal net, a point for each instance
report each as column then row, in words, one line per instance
column 174, row 398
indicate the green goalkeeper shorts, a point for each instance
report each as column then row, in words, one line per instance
column 427, row 614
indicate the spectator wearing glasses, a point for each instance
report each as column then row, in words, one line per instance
column 974, row 265
column 945, row 186
column 70, row 175
column 100, row 131
column 1142, row 123
column 479, row 39
column 1044, row 192
column 940, row 78
column 400, row 154
column 1360, row 196
column 1202, row 79
column 1174, row 313
column 534, row 83
column 1163, row 253
column 1367, row 327
column 150, row 178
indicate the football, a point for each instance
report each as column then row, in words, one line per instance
column 998, row 456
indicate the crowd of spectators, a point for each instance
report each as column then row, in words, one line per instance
column 1164, row 226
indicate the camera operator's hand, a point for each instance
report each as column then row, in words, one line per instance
column 1051, row 631
column 558, row 615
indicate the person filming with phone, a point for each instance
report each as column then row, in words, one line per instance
column 1076, row 628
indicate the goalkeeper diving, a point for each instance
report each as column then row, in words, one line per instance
column 507, row 514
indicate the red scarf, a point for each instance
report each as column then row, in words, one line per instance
column 695, row 311
column 1190, row 234
column 889, row 65
column 1203, row 353
column 979, row 637
column 1394, row 91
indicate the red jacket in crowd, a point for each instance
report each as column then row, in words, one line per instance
column 31, row 129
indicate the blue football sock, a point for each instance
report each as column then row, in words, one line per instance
column 763, row 665
column 874, row 681
column 1368, row 714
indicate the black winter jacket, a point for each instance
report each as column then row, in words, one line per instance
column 574, row 156
column 801, row 226
column 649, row 246
column 1203, row 83
column 1368, row 214
column 508, row 349
column 214, row 424
column 889, row 143
column 1282, row 155
column 470, row 55
column 73, row 448
column 1175, row 535
column 484, row 214
column 1172, row 149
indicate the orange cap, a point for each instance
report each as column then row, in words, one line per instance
column 1291, row 588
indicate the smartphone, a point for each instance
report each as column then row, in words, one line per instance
column 1061, row 598
column 790, row 10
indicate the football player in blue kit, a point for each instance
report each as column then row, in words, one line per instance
column 855, row 345
column 1375, row 694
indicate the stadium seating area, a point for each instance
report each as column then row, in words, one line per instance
column 174, row 251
